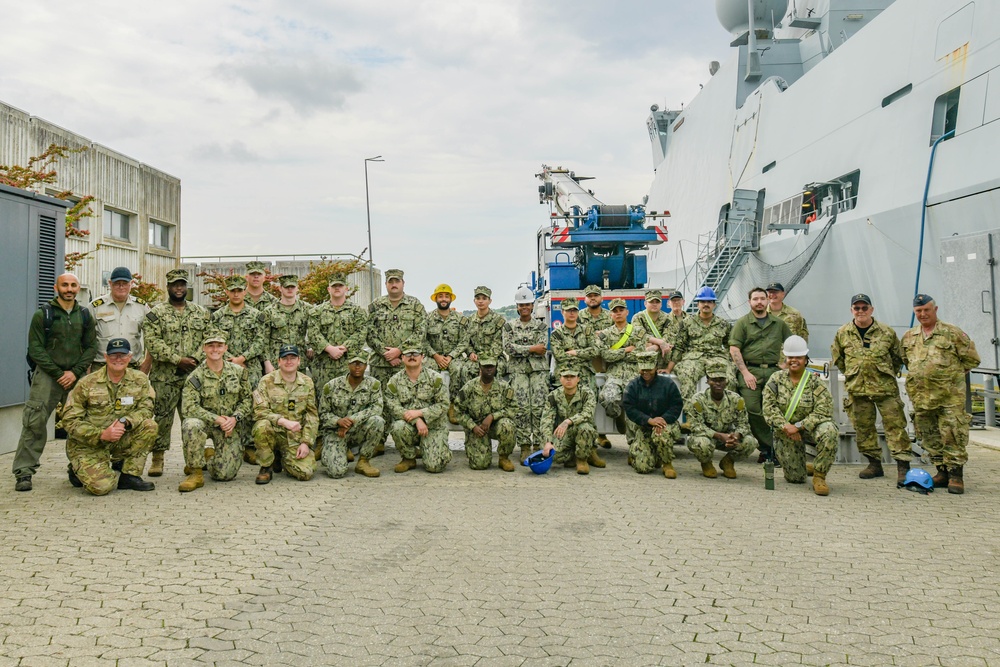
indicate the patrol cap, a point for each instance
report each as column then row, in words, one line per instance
column 443, row 288
column 256, row 267
column 120, row 273
column 617, row 303
column 593, row 289
column 412, row 350
column 654, row 295
column 716, row 369
column 215, row 336
column 775, row 287
column 361, row 355
column 487, row 361
column 236, row 282
column 288, row 350
column 676, row 294
column 288, row 280
column 177, row 275
column 861, row 298
column 119, row 346
column 922, row 300
column 338, row 278
column 569, row 371
column 393, row 273
column 569, row 304
column 646, row 361
column 484, row 291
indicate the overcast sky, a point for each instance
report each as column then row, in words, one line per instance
column 266, row 110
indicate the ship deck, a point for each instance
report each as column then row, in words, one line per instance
column 491, row 568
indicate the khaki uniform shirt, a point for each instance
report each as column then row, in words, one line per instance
column 126, row 322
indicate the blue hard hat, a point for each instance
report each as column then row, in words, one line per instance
column 539, row 463
column 920, row 480
column 706, row 294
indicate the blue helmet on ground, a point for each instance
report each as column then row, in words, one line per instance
column 706, row 294
column 539, row 463
column 919, row 480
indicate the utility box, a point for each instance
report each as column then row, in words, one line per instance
column 969, row 272
column 32, row 255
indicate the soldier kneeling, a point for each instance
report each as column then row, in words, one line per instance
column 417, row 399
column 718, row 419
column 652, row 403
column 287, row 420
column 109, row 422
column 568, row 422
column 484, row 407
column 351, row 409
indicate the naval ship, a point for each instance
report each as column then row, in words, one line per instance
column 833, row 151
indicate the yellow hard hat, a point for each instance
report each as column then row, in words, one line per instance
column 443, row 289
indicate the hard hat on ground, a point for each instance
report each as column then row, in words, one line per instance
column 524, row 295
column 539, row 463
column 919, row 480
column 706, row 294
column 795, row 346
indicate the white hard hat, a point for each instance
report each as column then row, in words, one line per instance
column 524, row 295
column 795, row 346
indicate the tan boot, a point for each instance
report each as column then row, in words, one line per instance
column 525, row 453
column 819, row 484
column 452, row 417
column 156, row 467
column 873, row 470
column 193, row 481
column 570, row 463
column 810, row 470
column 668, row 471
column 728, row 466
column 956, row 482
column 582, row 468
column 596, row 460
column 318, row 451
column 365, row 468
column 603, row 441
column 350, row 456
column 209, row 453
column 708, row 470
column 380, row 449
column 506, row 464
column 405, row 464
column 264, row 475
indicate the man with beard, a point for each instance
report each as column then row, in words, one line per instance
column 447, row 340
column 700, row 341
column 173, row 332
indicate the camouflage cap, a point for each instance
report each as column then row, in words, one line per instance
column 646, row 361
column 569, row 371
column 236, row 282
column 412, row 350
column 288, row 280
column 119, row 346
column 676, row 294
column 617, row 303
column 487, row 361
column 360, row 355
column 484, row 291
column 214, row 336
column 593, row 289
column 288, row 350
column 177, row 275
column 861, row 298
column 393, row 273
column 569, row 304
column 716, row 369
column 338, row 278
column 922, row 300
column 654, row 295
column 256, row 267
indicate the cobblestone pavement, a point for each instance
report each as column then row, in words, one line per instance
column 492, row 568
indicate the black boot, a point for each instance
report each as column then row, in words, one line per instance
column 126, row 481
column 73, row 479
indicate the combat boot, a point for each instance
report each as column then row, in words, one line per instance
column 318, row 451
column 365, row 468
column 902, row 467
column 195, row 480
column 264, row 476
column 350, row 455
column 134, row 483
column 452, row 417
column 596, row 460
column 873, row 470
column 380, row 449
column 405, row 464
column 505, row 464
column 525, row 453
column 810, row 470
column 708, row 470
column 955, row 482
column 250, row 456
column 819, row 484
column 156, row 467
column 570, row 462
column 582, row 468
column 23, row 483
column 603, row 441
column 73, row 479
column 941, row 478
column 209, row 453
column 728, row 466
column 668, row 471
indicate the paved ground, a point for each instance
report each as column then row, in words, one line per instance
column 488, row 568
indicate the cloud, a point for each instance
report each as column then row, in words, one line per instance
column 308, row 83
column 235, row 151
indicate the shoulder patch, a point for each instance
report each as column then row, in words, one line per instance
column 741, row 404
column 438, row 381
column 195, row 382
column 698, row 406
column 151, row 316
column 138, row 300
column 262, row 316
column 392, row 389
column 96, row 302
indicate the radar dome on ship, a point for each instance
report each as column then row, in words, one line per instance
column 734, row 15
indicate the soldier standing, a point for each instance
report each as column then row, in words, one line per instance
column 573, row 345
column 868, row 353
column 109, row 425
column 776, row 306
column 396, row 322
column 718, row 419
column 596, row 317
column 447, row 339
column 286, row 419
column 118, row 314
column 337, row 330
column 173, row 332
column 61, row 345
column 937, row 356
column 215, row 399
column 418, row 402
column 485, row 333
column 288, row 323
column 619, row 344
column 755, row 347
column 525, row 342
column 653, row 404
column 484, row 408
column 568, row 422
column 654, row 321
column 700, row 340
column 257, row 296
column 351, row 416
column 676, row 316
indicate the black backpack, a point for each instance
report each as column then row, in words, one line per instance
column 48, row 316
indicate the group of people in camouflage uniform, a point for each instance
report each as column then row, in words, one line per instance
column 281, row 384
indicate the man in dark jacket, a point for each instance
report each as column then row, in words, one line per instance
column 652, row 403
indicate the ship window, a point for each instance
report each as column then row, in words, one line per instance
column 945, row 114
column 769, row 166
column 902, row 92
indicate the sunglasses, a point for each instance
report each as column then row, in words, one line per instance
column 862, row 308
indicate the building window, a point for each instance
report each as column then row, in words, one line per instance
column 117, row 225
column 945, row 114
column 161, row 235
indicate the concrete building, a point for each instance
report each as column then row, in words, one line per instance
column 137, row 208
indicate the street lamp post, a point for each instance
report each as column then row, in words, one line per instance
column 368, row 209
